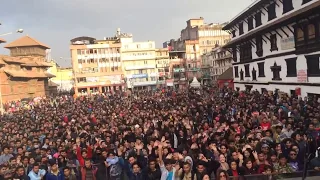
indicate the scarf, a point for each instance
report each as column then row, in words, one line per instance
column 112, row 161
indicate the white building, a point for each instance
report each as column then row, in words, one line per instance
column 221, row 61
column 276, row 45
column 216, row 62
column 139, row 63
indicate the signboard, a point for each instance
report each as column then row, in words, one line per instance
column 153, row 75
column 302, row 76
column 92, row 79
column 169, row 82
column 287, row 43
column 178, row 70
column 115, row 79
column 140, row 76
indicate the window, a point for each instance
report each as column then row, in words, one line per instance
column 259, row 45
column 300, row 35
column 245, row 52
column 305, row 1
column 261, row 69
column 79, row 52
column 240, row 28
column 311, row 31
column 241, row 75
column 250, row 23
column 236, row 71
column 313, row 65
column 233, row 33
column 254, row 74
column 276, row 72
column 234, row 54
column 287, row 6
column 273, row 42
column 257, row 17
column 138, row 46
column 126, row 46
column 247, row 70
column 291, row 67
column 272, row 11
column 150, row 45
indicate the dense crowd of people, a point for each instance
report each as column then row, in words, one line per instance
column 161, row 135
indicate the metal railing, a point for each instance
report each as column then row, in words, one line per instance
column 312, row 175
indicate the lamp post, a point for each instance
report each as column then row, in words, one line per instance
column 18, row 31
column 1, row 103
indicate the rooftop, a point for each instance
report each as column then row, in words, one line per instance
column 26, row 41
column 228, row 74
column 25, row 61
column 2, row 40
column 252, row 8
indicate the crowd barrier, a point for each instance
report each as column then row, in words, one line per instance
column 311, row 175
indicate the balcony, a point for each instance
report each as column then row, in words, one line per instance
column 151, row 66
column 193, row 69
column 193, row 60
column 206, row 76
column 205, row 66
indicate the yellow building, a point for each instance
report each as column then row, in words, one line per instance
column 97, row 65
column 63, row 77
column 139, row 63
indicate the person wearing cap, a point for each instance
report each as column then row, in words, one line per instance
column 54, row 173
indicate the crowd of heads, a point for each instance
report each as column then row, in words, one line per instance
column 161, row 135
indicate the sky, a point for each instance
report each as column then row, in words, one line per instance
column 56, row 22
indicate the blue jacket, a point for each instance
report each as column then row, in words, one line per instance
column 51, row 176
column 33, row 176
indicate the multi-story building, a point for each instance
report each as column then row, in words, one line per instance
column 193, row 59
column 163, row 66
column 221, row 61
column 208, row 35
column 206, row 68
column 215, row 63
column 276, row 46
column 24, row 73
column 97, row 65
column 64, row 78
column 139, row 63
column 178, row 70
column 196, row 39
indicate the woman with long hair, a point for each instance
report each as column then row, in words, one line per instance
column 222, row 175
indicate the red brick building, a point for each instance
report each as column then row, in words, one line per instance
column 23, row 74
